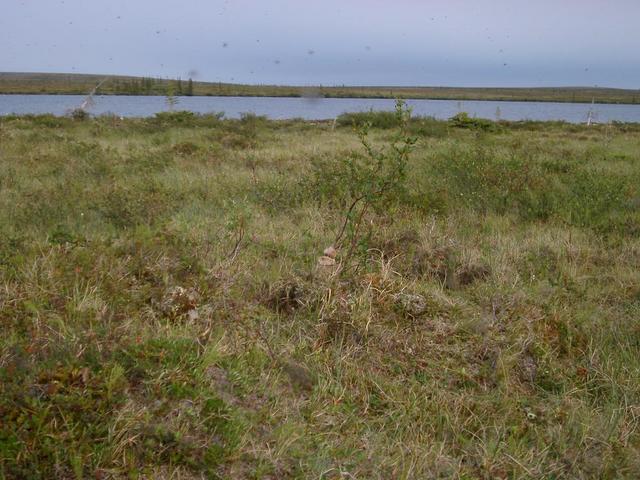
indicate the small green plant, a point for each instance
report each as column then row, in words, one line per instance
column 176, row 117
column 79, row 114
column 463, row 120
column 372, row 118
column 380, row 175
column 251, row 120
column 171, row 99
column 246, row 131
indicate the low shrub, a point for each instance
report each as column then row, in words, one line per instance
column 79, row 114
column 375, row 119
column 463, row 120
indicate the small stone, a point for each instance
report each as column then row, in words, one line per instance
column 51, row 388
column 85, row 375
column 326, row 261
column 287, row 297
column 528, row 368
column 330, row 252
column 412, row 304
column 179, row 301
column 299, row 375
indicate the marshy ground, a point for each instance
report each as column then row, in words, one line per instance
column 164, row 313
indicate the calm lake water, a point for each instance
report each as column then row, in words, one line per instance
column 317, row 109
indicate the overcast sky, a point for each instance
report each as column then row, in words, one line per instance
column 331, row 42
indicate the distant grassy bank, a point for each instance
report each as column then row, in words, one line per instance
column 165, row 313
column 49, row 83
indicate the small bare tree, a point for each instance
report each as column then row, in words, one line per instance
column 80, row 112
column 171, row 99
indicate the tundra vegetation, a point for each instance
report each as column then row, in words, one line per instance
column 79, row 84
column 192, row 297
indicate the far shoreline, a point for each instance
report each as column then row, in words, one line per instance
column 338, row 97
column 20, row 83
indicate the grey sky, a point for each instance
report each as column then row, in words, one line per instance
column 362, row 42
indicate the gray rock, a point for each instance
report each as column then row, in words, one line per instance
column 412, row 304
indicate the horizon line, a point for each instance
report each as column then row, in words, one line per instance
column 344, row 85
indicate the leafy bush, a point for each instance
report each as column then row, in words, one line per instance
column 599, row 200
column 79, row 114
column 140, row 203
column 463, row 120
column 243, row 133
column 250, row 118
column 379, row 119
column 45, row 120
column 488, row 179
column 419, row 126
column 428, row 127
column 183, row 117
column 367, row 182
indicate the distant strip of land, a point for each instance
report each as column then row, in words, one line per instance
column 62, row 83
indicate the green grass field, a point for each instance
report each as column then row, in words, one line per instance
column 165, row 314
column 57, row 83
